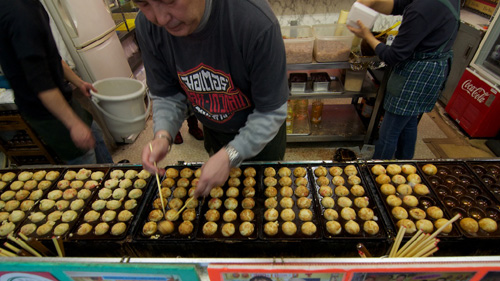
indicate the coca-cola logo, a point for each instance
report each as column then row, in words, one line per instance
column 477, row 93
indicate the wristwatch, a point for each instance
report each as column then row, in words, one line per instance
column 234, row 156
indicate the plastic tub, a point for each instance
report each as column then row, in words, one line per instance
column 299, row 42
column 332, row 42
column 354, row 80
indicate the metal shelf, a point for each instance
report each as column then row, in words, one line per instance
column 319, row 65
column 368, row 90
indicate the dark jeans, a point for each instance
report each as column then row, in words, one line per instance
column 397, row 137
column 273, row 151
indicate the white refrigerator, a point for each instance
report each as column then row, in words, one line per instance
column 88, row 31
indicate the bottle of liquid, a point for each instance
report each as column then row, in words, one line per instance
column 367, row 109
column 317, row 111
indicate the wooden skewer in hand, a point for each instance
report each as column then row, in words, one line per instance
column 158, row 182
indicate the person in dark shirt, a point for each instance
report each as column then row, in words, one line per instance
column 39, row 77
column 420, row 57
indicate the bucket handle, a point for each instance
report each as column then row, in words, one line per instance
column 118, row 119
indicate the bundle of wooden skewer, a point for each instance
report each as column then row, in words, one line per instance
column 27, row 246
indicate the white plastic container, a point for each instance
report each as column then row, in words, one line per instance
column 299, row 43
column 361, row 12
column 332, row 42
column 354, row 80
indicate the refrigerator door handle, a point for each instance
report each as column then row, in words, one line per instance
column 67, row 19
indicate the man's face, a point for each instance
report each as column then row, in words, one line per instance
column 178, row 17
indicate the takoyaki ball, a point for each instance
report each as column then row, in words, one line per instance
column 378, row 169
column 209, row 228
column 284, row 172
column 166, row 192
column 413, row 179
column 179, row 192
column 130, row 174
column 139, row 183
column 429, row 169
column 44, row 228
column 46, row 204
column 154, row 215
column 77, row 184
column 421, row 189
column 133, row 194
column 366, row 214
column 6, row 228
column 8, row 177
column 54, row 216
column 118, row 228
column 330, row 214
column 124, row 215
column 353, row 180
column 338, row 180
column 344, row 202
column 333, row 227
column 382, row 179
column 470, row 225
column 398, row 179
column 191, row 191
column 304, row 203
column 2, row 185
column 410, row 200
column 232, row 192
column 4, row 216
column 149, row 228
column 212, row 215
column 193, row 203
column 409, row 224
column 248, row 203
column 61, row 228
column 325, row 191
column 52, row 175
column 165, row 227
column 350, row 170
column 399, row 213
column 125, row 183
column 175, row 204
column 271, row 202
column 299, row 172
column 101, row 228
column 322, row 181
column 16, row 216
column 168, row 182
column 91, row 184
column 97, row 175
column 357, row 190
column 271, row 191
column 371, row 227
column 233, row 182
column 26, row 205
column 16, row 185
column 197, row 173
column 62, row 205
column 249, row 182
column 70, row 193
column 248, row 192
column 217, row 192
column 91, row 216
column 186, row 173
column 341, row 190
column 157, row 203
column 408, row 169
column 393, row 200
column 8, row 195
column 305, row 215
column 186, row 228
column 231, row 203
column 214, row 203
column 328, row 202
column 249, row 172
column 69, row 216
column 425, row 225
column 113, row 204
column 143, row 174
column 111, row 183
column 105, row 193
column 171, row 173
column 189, row 214
column 11, row 205
column 271, row 214
column 235, row 172
column 271, row 228
column 54, row 194
column 25, row 176
column 30, row 185
column 247, row 215
column 308, row 228
column 335, row 171
column 286, row 202
column 183, row 182
column 440, row 222
column 228, row 229
column 270, row 181
column 348, row 213
column 301, row 181
column 435, row 212
column 83, row 174
column 36, row 195
column 289, row 228
column 22, row 194
column 35, row 217
column 2, row 204
column 488, row 225
column 286, row 181
column 229, row 216
column 301, row 191
column 417, row 213
column 171, row 215
column 84, row 229
column 352, row 227
column 83, row 194
column 28, row 229
column 393, row 169
column 286, row 191
column 116, row 174
column 320, row 171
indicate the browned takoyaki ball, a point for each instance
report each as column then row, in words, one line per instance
column 366, row 214
column 186, row 228
column 228, row 229
column 172, row 173
column 250, row 172
column 235, row 172
column 183, row 182
column 270, row 181
column 189, row 214
column 344, row 201
column 229, row 216
column 413, row 179
column 350, row 170
column 271, row 191
column 271, row 228
column 91, row 216
column 214, row 203
column 328, row 202
column 308, row 228
column 285, row 181
column 284, row 172
column 341, row 190
column 333, row 227
column 393, row 200
column 212, row 215
column 320, row 171
column 304, row 203
column 417, row 213
column 378, row 169
column 325, row 191
column 286, row 191
column 287, row 214
column 435, row 212
column 357, row 190
column 209, row 228
column 269, row 172
column 271, row 202
column 305, row 215
column 361, row 202
column 393, row 169
column 249, row 181
column 371, row 227
column 231, row 203
column 234, row 182
column 338, row 180
column 248, row 203
column 246, row 228
column 353, row 180
column 399, row 213
column 469, row 224
column 247, row 215
column 408, row 169
column 335, row 171
column 410, row 201
column 488, row 225
column 348, row 213
column 330, row 214
column 165, row 227
column 271, row 214
column 186, row 173
column 289, row 228
column 352, row 227
column 286, row 202
column 299, row 172
column 248, row 192
column 382, row 179
column 429, row 169
column 168, row 182
column 425, row 225
column 409, row 224
column 322, row 181
column 440, row 222
column 232, row 192
column 398, row 179
column 175, row 203
column 301, row 191
column 421, row 189
column 217, row 192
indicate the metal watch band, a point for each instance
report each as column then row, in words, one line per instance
column 234, row 156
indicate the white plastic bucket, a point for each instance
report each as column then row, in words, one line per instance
column 121, row 101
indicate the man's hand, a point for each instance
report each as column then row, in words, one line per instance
column 85, row 88
column 154, row 152
column 82, row 136
column 213, row 173
column 364, row 33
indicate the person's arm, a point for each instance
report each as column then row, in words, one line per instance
column 74, row 79
column 381, row 6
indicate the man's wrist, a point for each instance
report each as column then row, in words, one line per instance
column 165, row 136
column 234, row 156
